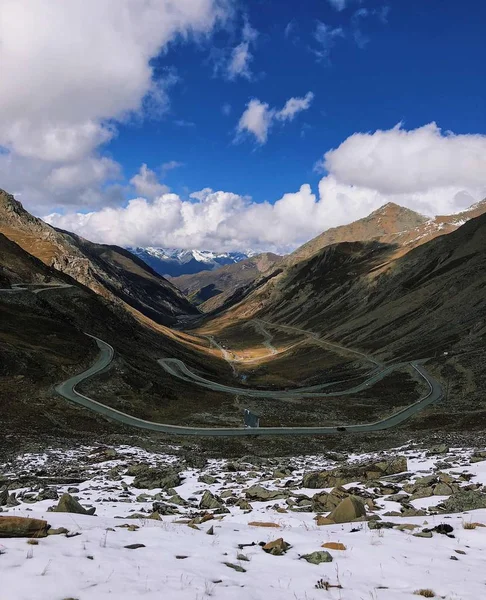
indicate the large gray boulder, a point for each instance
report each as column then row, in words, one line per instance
column 69, row 504
column 349, row 509
column 464, row 500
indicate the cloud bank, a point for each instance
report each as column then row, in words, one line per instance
column 61, row 96
column 423, row 169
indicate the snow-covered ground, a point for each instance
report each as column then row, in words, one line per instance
column 180, row 561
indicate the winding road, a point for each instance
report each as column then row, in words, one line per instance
column 177, row 368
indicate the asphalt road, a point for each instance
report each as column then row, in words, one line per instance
column 68, row 390
column 177, row 368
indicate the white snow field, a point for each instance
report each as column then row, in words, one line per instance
column 180, row 561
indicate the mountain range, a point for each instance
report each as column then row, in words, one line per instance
column 390, row 224
column 174, row 262
column 410, row 289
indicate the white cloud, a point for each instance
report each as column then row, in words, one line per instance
column 147, row 184
column 326, row 36
column 294, row 106
column 234, row 62
column 170, row 166
column 398, row 161
column 422, row 169
column 71, row 70
column 258, row 117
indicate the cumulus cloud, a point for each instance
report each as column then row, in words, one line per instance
column 72, row 70
column 399, row 161
column 258, row 117
column 423, row 169
column 147, row 184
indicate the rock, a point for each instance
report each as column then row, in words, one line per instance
column 442, row 489
column 321, row 520
column 422, row 492
column 413, row 512
column 238, row 568
column 208, row 479
column 325, row 502
column 68, row 504
column 423, row 534
column 464, row 500
column 3, row 496
column 334, row 546
column 47, row 494
column 150, row 478
column 257, row 492
column 22, row 527
column 316, row 558
column 354, row 472
column 380, row 525
column 134, row 546
column 263, row 524
column 244, row 504
column 210, row 501
column 58, row 531
column 12, row 501
column 277, row 547
column 162, row 508
column 439, row 449
column 348, row 510
column 210, row 531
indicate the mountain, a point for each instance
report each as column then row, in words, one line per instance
column 110, row 271
column 401, row 227
column 429, row 303
column 173, row 262
column 390, row 224
column 210, row 289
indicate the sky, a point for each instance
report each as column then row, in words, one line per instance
column 235, row 125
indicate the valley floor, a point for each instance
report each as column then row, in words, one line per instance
column 212, row 516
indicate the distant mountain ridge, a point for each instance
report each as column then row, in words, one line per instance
column 110, row 271
column 174, row 262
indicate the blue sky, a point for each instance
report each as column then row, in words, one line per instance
column 424, row 64
column 172, row 96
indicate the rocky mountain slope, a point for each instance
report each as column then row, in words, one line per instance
column 174, row 262
column 429, row 303
column 210, row 289
column 110, row 271
column 390, row 224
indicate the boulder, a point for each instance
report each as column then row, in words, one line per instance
column 69, row 504
column 210, row 501
column 349, row 509
column 354, row 472
column 258, row 492
column 464, row 500
column 318, row 557
column 22, row 527
column 334, row 546
column 277, row 547
column 325, row 502
column 151, row 478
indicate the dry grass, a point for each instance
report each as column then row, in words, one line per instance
column 425, row 593
column 33, row 542
column 469, row 525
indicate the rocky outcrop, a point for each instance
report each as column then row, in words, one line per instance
column 354, row 472
column 69, row 504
